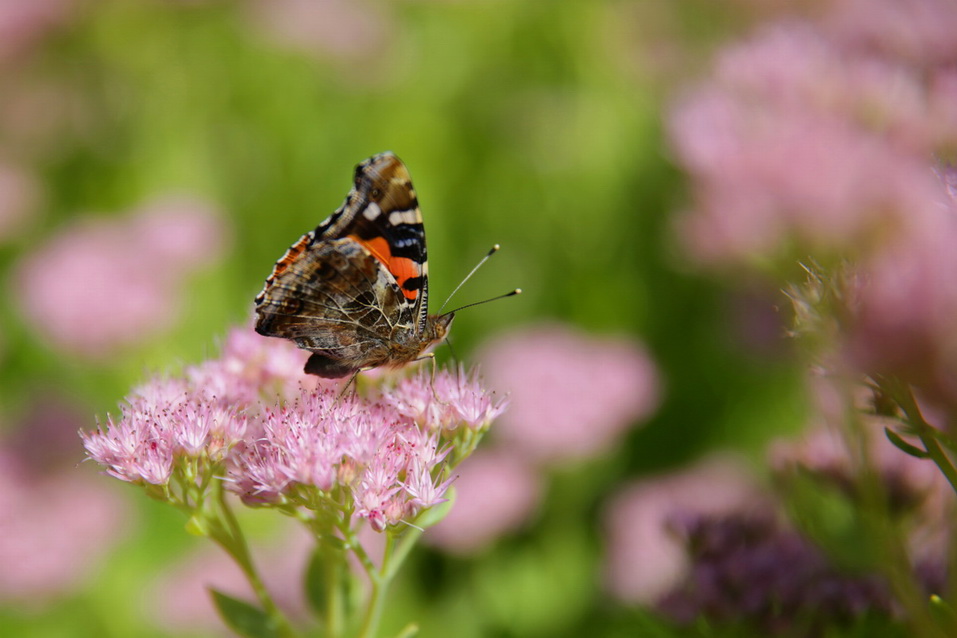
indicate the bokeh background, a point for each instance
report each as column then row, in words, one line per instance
column 157, row 157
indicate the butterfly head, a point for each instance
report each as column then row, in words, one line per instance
column 438, row 326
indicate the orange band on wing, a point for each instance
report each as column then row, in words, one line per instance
column 402, row 268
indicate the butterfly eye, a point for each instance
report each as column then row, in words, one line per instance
column 376, row 192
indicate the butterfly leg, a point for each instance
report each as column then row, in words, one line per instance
column 431, row 356
column 351, row 382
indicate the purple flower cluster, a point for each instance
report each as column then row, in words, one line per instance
column 751, row 570
column 247, row 419
column 708, row 543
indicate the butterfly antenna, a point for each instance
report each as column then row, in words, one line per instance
column 484, row 259
column 448, row 342
column 517, row 291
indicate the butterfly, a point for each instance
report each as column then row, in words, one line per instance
column 354, row 291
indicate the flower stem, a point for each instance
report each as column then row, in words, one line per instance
column 335, row 601
column 904, row 397
column 895, row 564
column 379, row 580
column 232, row 540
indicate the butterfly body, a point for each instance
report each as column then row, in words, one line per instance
column 354, row 291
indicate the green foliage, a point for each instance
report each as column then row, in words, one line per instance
column 245, row 619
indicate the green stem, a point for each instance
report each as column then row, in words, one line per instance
column 335, row 601
column 379, row 584
column 925, row 431
column 406, row 543
column 895, row 564
column 232, row 540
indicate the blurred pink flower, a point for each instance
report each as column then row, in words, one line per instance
column 572, row 396
column 797, row 138
column 903, row 316
column 101, row 284
column 19, row 197
column 55, row 527
column 645, row 560
column 336, row 29
column 179, row 600
column 22, row 24
column 921, row 31
column 495, row 493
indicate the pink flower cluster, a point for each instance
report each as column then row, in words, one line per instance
column 22, row 24
column 99, row 284
column 55, row 530
column 800, row 136
column 820, row 138
column 645, row 560
column 245, row 416
column 572, row 397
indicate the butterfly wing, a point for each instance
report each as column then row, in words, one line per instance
column 347, row 289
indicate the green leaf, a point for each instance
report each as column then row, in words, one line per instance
column 243, row 618
column 904, row 446
column 317, row 587
column 943, row 612
column 328, row 568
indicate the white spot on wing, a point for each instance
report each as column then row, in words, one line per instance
column 404, row 217
column 372, row 211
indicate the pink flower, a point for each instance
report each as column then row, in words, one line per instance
column 22, row 24
column 90, row 292
column 296, row 446
column 920, row 31
column 449, row 400
column 54, row 530
column 644, row 559
column 161, row 421
column 797, row 138
column 571, row 396
column 495, row 493
column 336, row 29
column 902, row 320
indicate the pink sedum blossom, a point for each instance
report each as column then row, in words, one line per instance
column 88, row 292
column 495, row 493
column 920, row 31
column 24, row 24
column 572, row 396
column 645, row 560
column 42, row 558
column 798, row 137
column 383, row 458
column 447, row 401
column 336, row 30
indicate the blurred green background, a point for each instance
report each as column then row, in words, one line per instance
column 533, row 124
